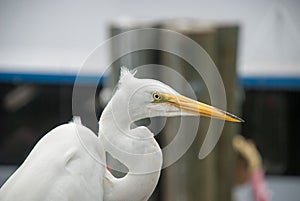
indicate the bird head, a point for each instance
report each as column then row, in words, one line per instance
column 152, row 98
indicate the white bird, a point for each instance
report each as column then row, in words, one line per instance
column 69, row 162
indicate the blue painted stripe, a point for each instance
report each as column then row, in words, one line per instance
column 247, row 82
column 49, row 78
column 271, row 82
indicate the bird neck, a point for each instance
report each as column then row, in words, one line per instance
column 112, row 116
column 137, row 150
column 132, row 187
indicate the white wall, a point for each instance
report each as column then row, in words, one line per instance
column 56, row 36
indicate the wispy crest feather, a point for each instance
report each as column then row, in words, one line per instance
column 125, row 72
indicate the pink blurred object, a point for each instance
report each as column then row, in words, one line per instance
column 259, row 187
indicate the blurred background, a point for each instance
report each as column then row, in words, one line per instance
column 255, row 45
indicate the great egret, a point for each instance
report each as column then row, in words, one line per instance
column 68, row 163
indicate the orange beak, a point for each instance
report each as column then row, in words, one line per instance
column 197, row 108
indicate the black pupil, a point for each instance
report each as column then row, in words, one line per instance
column 156, row 96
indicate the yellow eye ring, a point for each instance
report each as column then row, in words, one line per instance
column 156, row 96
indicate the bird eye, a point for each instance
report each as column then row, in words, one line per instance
column 156, row 96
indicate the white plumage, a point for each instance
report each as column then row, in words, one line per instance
column 69, row 162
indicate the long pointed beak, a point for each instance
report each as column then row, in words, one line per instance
column 197, row 108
